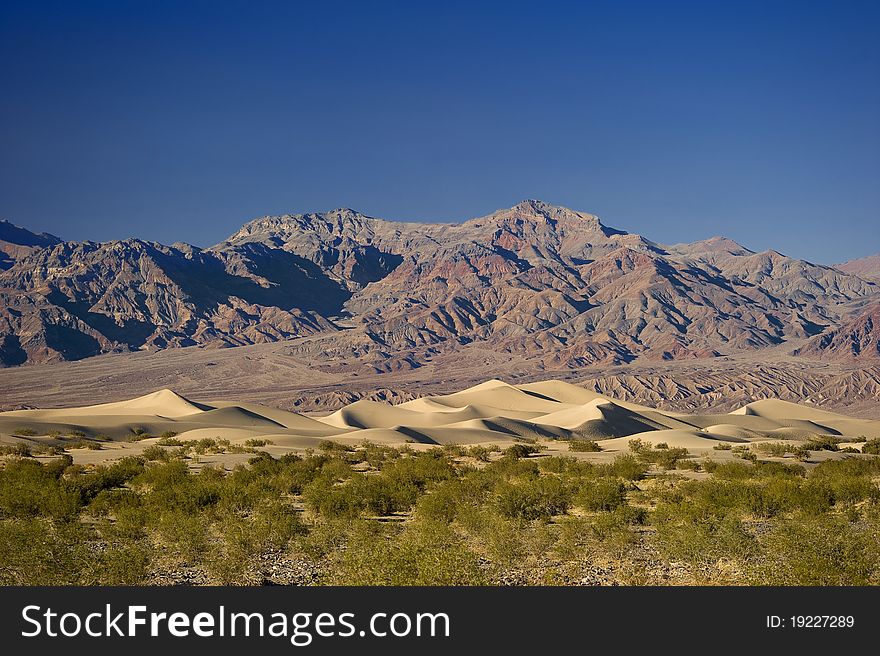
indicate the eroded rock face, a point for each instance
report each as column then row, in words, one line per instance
column 857, row 338
column 866, row 267
column 540, row 281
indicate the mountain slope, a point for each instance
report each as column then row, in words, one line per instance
column 16, row 243
column 866, row 267
column 857, row 338
column 551, row 285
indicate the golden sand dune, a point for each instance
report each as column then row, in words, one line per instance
column 493, row 412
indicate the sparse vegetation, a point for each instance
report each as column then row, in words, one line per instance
column 872, row 447
column 378, row 515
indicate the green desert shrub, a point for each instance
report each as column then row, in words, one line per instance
column 169, row 440
column 694, row 534
column 37, row 551
column 125, row 563
column 584, row 445
column 521, row 450
column 84, row 444
column 823, row 443
column 24, row 432
column 825, row 551
column 872, row 447
column 776, row 449
column 615, row 528
column 329, row 446
column 626, row 466
column 539, row 498
column 156, row 453
column 425, row 553
column 20, row 449
column 481, row 453
column 602, row 494
column 29, row 489
column 444, row 501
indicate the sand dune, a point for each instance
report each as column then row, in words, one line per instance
column 493, row 412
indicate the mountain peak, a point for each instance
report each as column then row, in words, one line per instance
column 13, row 234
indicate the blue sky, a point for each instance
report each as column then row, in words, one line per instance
column 677, row 120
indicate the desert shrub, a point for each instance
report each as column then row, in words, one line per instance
column 329, row 446
column 615, row 528
column 823, row 443
column 506, row 468
column 847, row 467
column 443, row 502
column 85, row 444
column 28, row 489
column 744, row 452
column 480, row 452
column 125, row 563
column 375, row 455
column 24, row 432
column 584, row 445
column 20, row 449
column 380, row 495
column 690, row 532
column 156, row 453
column 35, row 551
column 872, row 447
column 257, row 442
column 800, row 452
column 568, row 466
column 825, row 551
column 42, row 450
column 787, row 469
column 539, row 498
column 625, row 466
column 170, row 486
column 325, row 497
column 78, row 434
column 601, row 495
column 848, row 481
column 268, row 528
column 662, row 455
column 521, row 450
column 109, row 502
column 419, row 470
column 426, row 553
column 298, row 473
column 169, row 440
column 776, row 449
column 732, row 470
column 722, row 446
column 208, row 445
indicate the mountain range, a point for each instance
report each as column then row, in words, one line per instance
column 553, row 286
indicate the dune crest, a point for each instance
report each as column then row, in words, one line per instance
column 493, row 412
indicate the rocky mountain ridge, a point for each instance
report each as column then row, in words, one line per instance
column 551, row 285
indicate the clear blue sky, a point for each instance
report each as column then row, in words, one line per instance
column 677, row 120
